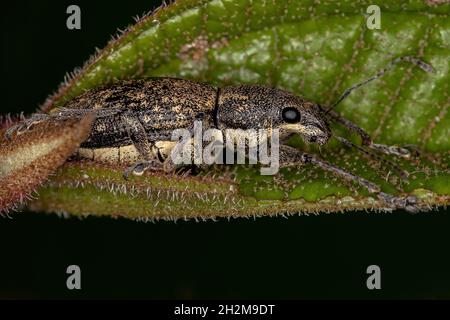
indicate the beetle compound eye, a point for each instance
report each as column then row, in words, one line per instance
column 290, row 115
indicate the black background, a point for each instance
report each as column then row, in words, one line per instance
column 322, row 256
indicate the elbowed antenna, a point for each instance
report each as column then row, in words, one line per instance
column 421, row 64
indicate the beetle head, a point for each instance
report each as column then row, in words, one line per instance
column 257, row 107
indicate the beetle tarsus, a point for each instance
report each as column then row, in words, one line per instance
column 406, row 152
column 140, row 167
column 408, row 203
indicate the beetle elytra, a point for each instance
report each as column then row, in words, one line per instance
column 135, row 119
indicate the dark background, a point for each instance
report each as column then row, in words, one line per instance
column 322, row 256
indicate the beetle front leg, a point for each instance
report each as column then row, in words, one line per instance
column 290, row 156
column 138, row 136
column 404, row 152
column 402, row 173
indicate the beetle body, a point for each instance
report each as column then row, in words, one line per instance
column 161, row 105
column 135, row 120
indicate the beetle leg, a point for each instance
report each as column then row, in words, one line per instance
column 402, row 173
column 290, row 156
column 138, row 136
column 407, row 151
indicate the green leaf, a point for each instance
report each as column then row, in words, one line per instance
column 314, row 49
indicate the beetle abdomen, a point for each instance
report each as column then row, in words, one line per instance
column 114, row 155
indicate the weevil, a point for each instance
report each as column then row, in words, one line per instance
column 135, row 119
